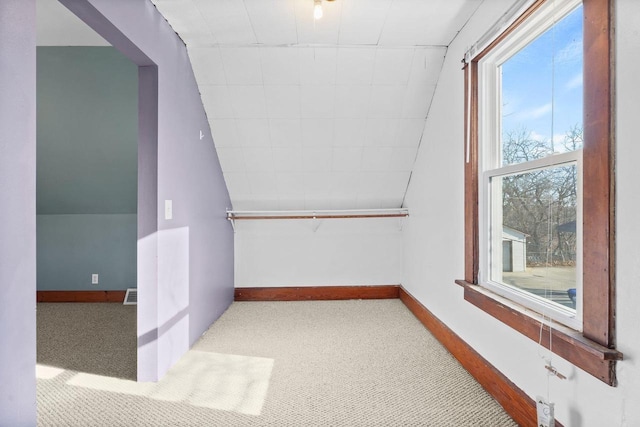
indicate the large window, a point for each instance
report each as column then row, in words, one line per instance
column 539, row 182
column 530, row 168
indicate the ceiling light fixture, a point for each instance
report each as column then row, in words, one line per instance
column 317, row 9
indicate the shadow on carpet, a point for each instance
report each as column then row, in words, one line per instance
column 95, row 338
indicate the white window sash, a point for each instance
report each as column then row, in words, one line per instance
column 492, row 210
column 489, row 155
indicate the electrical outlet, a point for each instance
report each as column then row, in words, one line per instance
column 545, row 412
column 94, row 279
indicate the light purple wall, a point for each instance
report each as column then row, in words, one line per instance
column 18, row 213
column 190, row 283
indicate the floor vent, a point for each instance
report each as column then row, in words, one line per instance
column 131, row 297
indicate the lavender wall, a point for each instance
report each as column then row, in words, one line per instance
column 18, row 213
column 190, row 283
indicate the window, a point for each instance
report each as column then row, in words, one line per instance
column 539, row 182
column 530, row 140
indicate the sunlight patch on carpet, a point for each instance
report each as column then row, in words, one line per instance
column 212, row 380
column 44, row 372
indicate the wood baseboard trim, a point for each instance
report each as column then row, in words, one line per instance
column 514, row 401
column 316, row 293
column 81, row 296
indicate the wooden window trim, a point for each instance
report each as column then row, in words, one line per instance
column 594, row 350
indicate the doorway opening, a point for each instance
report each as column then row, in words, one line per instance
column 86, row 198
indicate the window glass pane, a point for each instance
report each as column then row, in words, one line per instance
column 541, row 108
column 533, row 242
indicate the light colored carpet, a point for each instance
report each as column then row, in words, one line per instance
column 324, row 363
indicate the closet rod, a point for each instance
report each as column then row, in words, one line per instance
column 327, row 214
column 397, row 215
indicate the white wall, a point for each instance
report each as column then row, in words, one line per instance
column 339, row 252
column 434, row 240
column 627, row 207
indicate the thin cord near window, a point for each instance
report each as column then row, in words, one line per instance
column 552, row 371
column 549, row 357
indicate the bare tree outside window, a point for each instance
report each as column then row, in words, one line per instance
column 542, row 205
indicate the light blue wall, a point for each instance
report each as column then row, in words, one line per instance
column 86, row 168
column 71, row 247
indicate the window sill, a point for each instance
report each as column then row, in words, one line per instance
column 587, row 355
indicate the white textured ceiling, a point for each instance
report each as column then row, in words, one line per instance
column 317, row 114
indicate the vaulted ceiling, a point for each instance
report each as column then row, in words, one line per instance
column 317, row 113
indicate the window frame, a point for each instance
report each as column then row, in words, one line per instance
column 593, row 349
column 490, row 155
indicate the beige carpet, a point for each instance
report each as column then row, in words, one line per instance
column 326, row 363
